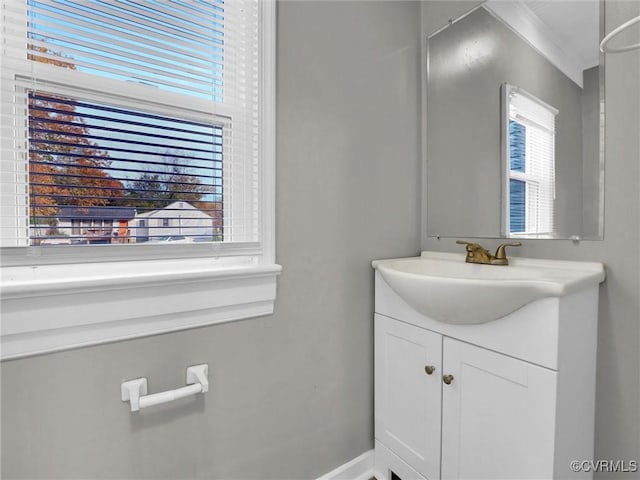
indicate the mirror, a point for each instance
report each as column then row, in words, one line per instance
column 505, row 82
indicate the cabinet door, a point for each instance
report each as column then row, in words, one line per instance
column 407, row 397
column 498, row 416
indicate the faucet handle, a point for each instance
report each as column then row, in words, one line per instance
column 500, row 251
column 469, row 244
column 475, row 252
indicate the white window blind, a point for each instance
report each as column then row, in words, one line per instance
column 130, row 122
column 531, row 163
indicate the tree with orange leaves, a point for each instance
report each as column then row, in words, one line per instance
column 65, row 167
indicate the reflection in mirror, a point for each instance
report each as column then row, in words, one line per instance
column 529, row 146
column 486, row 176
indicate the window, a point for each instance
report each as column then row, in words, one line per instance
column 136, row 131
column 132, row 104
column 529, row 163
column 88, row 155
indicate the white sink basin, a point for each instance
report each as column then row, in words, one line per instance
column 445, row 288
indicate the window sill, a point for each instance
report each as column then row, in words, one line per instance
column 57, row 307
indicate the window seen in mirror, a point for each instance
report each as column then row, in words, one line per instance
column 531, row 160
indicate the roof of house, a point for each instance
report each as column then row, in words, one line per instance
column 175, row 206
column 106, row 213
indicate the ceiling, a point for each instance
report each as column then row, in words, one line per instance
column 575, row 24
column 566, row 32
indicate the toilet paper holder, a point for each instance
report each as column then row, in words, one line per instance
column 135, row 391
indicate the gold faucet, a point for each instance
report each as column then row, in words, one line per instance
column 500, row 257
column 478, row 254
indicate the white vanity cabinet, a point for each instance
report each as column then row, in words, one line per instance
column 498, row 415
column 408, row 400
column 509, row 399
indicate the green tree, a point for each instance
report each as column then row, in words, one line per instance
column 155, row 190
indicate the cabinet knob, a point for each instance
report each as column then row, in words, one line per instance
column 429, row 369
column 447, row 379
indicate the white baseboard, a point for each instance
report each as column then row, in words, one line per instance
column 360, row 468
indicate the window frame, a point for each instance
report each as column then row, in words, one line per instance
column 49, row 293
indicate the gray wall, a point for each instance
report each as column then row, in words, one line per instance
column 590, row 153
column 618, row 370
column 292, row 394
column 464, row 126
